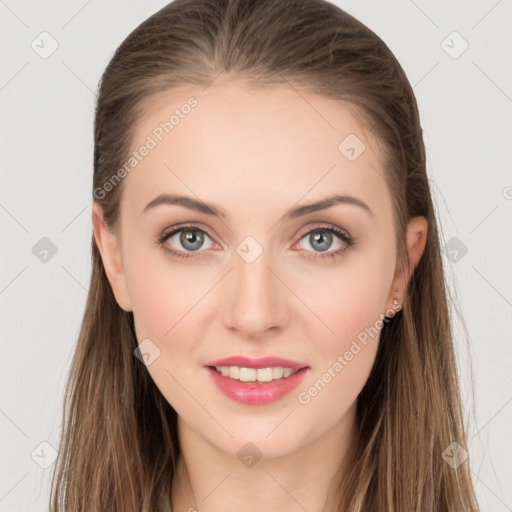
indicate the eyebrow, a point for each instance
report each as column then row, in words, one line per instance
column 216, row 211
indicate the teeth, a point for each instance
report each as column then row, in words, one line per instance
column 252, row 374
column 248, row 374
column 287, row 372
column 277, row 372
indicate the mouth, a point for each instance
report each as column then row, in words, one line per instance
column 256, row 386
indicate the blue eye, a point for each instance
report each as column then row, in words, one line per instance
column 192, row 239
column 321, row 239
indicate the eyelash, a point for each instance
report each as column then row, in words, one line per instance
column 343, row 235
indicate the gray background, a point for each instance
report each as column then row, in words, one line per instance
column 46, row 157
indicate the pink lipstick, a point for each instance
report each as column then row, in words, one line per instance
column 280, row 376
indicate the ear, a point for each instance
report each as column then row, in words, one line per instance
column 109, row 246
column 416, row 242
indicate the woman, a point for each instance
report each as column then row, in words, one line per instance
column 267, row 326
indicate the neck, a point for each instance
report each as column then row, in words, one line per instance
column 209, row 479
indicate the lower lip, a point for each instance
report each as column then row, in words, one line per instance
column 257, row 393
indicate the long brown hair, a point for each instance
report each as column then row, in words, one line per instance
column 119, row 446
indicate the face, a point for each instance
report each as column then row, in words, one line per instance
column 255, row 273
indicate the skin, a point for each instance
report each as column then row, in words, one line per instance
column 256, row 153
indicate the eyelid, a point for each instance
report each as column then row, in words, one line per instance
column 182, row 227
column 327, row 227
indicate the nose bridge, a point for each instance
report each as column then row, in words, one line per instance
column 256, row 301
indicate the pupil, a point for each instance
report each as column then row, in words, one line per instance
column 325, row 241
column 189, row 237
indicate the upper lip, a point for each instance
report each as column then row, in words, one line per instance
column 261, row 362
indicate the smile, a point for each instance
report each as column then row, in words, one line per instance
column 254, row 391
column 255, row 374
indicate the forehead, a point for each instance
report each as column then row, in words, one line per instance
column 232, row 141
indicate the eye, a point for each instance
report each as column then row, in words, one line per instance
column 191, row 239
column 321, row 239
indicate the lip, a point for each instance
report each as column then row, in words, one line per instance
column 262, row 362
column 256, row 393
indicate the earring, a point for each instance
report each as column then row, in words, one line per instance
column 397, row 305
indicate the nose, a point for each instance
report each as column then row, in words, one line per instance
column 256, row 298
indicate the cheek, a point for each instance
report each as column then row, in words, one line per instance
column 166, row 306
column 348, row 300
column 172, row 308
column 157, row 290
column 350, row 305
